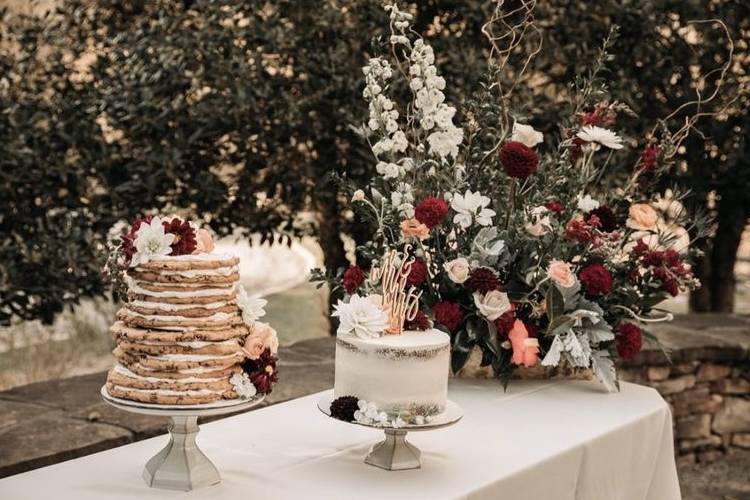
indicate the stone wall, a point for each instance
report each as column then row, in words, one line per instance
column 707, row 383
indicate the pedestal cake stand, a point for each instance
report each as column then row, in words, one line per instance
column 181, row 465
column 395, row 452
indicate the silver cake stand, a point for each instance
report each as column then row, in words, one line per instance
column 395, row 452
column 181, row 465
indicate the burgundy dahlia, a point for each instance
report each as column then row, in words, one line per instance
column 417, row 274
column 483, row 280
column 431, row 211
column 420, row 322
column 184, row 236
column 607, row 218
column 518, row 160
column 555, row 206
column 504, row 323
column 649, row 158
column 344, row 407
column 352, row 279
column 629, row 340
column 262, row 372
column 448, row 314
column 596, row 280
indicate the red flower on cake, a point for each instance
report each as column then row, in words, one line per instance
column 629, row 340
column 128, row 240
column 518, row 160
column 184, row 242
column 262, row 372
column 353, row 279
column 431, row 211
column 417, row 274
column 596, row 280
column 483, row 280
column 420, row 322
column 448, row 314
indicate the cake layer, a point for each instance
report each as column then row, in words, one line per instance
column 168, row 396
column 200, row 372
column 396, row 372
column 196, row 347
column 133, row 318
column 120, row 331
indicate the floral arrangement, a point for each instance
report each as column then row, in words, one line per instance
column 153, row 237
column 529, row 249
column 352, row 409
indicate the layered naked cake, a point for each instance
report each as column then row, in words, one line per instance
column 188, row 333
column 405, row 373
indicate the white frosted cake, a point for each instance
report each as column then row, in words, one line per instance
column 398, row 373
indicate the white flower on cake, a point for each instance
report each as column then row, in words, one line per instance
column 492, row 304
column 251, row 307
column 470, row 207
column 526, row 135
column 587, row 203
column 368, row 414
column 151, row 241
column 243, row 386
column 600, row 136
column 361, row 316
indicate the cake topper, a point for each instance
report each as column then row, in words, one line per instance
column 399, row 303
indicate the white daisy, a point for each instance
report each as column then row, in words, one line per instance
column 361, row 316
column 151, row 241
column 602, row 136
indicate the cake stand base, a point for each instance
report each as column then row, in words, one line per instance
column 181, row 465
column 394, row 453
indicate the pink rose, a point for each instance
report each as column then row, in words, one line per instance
column 204, row 241
column 561, row 273
column 642, row 217
column 261, row 337
column 412, row 228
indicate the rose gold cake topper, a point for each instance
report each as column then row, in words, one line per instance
column 399, row 303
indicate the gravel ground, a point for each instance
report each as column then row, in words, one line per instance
column 727, row 479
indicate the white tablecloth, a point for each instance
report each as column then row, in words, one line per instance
column 540, row 440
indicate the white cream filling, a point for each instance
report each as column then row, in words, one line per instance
column 206, row 292
column 177, row 307
column 193, row 357
column 187, row 380
column 219, row 316
column 188, row 371
column 167, row 392
column 196, row 344
column 191, row 273
column 197, row 256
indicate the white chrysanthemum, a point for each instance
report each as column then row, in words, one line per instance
column 587, row 203
column 252, row 307
column 243, row 386
column 526, row 134
column 151, row 241
column 360, row 317
column 599, row 135
column 471, row 207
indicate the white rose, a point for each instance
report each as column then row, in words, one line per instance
column 493, row 304
column 526, row 135
column 458, row 270
column 587, row 203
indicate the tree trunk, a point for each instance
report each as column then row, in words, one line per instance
column 700, row 299
column 334, row 255
column 731, row 224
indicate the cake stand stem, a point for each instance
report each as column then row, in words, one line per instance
column 181, row 465
column 394, row 453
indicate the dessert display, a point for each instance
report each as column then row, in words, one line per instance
column 387, row 376
column 188, row 333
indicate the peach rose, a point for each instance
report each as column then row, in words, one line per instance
column 261, row 337
column 642, row 217
column 525, row 349
column 204, row 241
column 493, row 304
column 561, row 273
column 412, row 228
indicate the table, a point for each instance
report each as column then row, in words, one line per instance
column 540, row 440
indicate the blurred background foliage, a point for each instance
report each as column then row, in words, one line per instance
column 238, row 112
